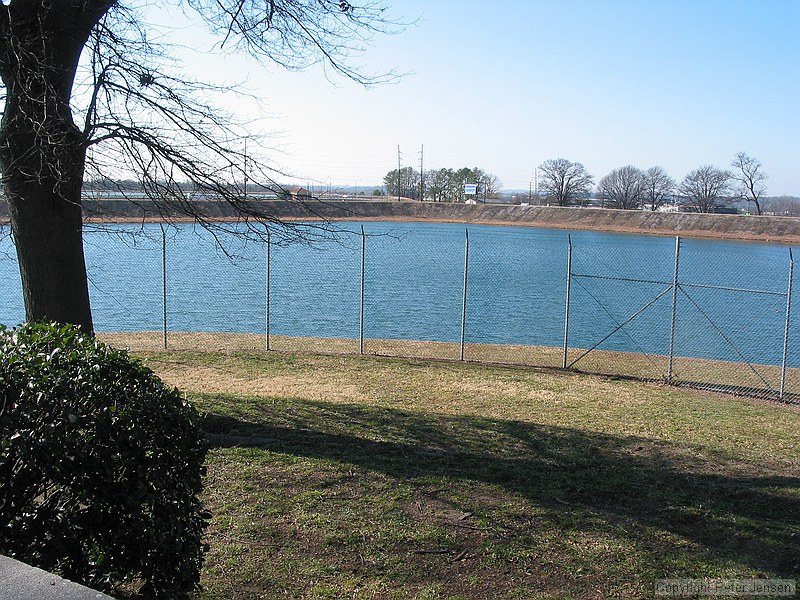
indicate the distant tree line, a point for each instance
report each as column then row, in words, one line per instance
column 562, row 182
column 705, row 189
column 441, row 185
column 784, row 206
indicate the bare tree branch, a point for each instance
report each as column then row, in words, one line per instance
column 299, row 33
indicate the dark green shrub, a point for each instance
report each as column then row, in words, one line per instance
column 101, row 465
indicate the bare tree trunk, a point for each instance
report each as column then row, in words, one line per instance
column 47, row 230
column 42, row 152
column 43, row 190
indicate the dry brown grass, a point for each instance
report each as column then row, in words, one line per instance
column 737, row 378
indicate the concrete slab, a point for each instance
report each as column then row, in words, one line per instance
column 19, row 581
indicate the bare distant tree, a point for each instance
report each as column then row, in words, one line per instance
column 707, row 189
column 657, row 187
column 751, row 180
column 622, row 188
column 489, row 185
column 564, row 182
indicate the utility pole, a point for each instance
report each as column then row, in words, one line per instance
column 398, row 172
column 421, row 174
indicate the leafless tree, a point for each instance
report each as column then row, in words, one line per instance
column 622, row 188
column 85, row 88
column 657, row 187
column 564, row 182
column 750, row 178
column 706, row 189
column 489, row 186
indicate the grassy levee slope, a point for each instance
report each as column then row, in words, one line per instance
column 363, row 477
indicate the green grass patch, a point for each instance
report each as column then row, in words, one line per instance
column 362, row 477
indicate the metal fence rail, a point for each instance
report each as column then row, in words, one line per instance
column 646, row 308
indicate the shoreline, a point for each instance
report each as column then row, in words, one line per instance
column 783, row 240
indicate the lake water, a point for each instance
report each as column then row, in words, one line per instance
column 414, row 283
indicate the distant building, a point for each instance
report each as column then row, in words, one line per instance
column 299, row 194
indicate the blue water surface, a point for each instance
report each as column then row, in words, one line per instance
column 731, row 302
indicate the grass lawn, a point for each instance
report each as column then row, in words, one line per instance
column 364, row 477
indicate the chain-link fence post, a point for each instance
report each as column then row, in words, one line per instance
column 363, row 282
column 566, row 309
column 164, row 281
column 674, row 308
column 464, row 297
column 267, row 290
column 786, row 326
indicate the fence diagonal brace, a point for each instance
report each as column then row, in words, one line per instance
column 726, row 338
column 621, row 325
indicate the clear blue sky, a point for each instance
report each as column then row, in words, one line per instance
column 505, row 85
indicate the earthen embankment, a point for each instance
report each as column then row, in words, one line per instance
column 783, row 230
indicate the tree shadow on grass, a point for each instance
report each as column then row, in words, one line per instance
column 736, row 512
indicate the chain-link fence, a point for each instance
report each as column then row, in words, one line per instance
column 709, row 314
